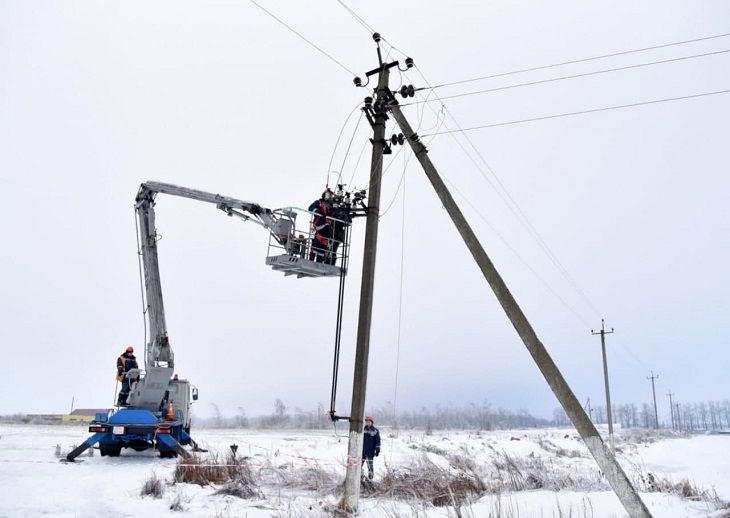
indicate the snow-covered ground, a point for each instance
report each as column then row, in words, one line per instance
column 34, row 483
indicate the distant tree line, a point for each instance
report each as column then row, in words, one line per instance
column 469, row 417
column 702, row 416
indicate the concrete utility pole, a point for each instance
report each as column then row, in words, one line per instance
column 351, row 492
column 679, row 421
column 653, row 393
column 671, row 408
column 603, row 334
column 603, row 456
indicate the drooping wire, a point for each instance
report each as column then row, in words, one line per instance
column 337, row 142
column 349, row 145
column 400, row 295
column 357, row 162
column 405, row 164
column 575, row 76
column 282, row 22
column 338, row 327
column 582, row 112
column 583, row 60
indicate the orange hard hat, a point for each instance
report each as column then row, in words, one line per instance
column 370, row 418
column 130, row 349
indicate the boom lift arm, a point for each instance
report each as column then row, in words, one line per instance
column 159, row 358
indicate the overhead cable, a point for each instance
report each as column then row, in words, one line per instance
column 302, row 37
column 574, row 76
column 337, row 142
column 509, row 201
column 349, row 145
column 583, row 60
column 356, row 17
column 571, row 114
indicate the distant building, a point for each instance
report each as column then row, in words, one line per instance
column 84, row 414
column 40, row 418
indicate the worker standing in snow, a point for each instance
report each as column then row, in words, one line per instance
column 125, row 363
column 370, row 444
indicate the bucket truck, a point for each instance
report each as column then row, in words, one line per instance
column 157, row 414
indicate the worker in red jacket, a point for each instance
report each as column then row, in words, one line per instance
column 125, row 363
column 321, row 227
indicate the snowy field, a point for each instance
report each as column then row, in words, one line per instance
column 538, row 473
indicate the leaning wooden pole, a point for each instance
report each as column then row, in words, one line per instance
column 603, row 456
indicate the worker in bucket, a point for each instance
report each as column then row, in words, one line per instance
column 321, row 226
column 370, row 444
column 126, row 362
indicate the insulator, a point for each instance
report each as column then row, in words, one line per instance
column 376, row 37
column 394, row 139
column 403, row 91
column 411, row 91
column 409, row 62
column 368, row 102
column 357, row 81
column 401, row 138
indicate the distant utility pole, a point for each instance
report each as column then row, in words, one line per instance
column 671, row 409
column 603, row 334
column 589, row 409
column 653, row 393
column 679, row 421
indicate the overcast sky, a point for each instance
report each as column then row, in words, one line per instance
column 97, row 97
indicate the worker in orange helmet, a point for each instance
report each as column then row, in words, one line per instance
column 370, row 444
column 125, row 363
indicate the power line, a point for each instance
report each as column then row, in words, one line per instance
column 514, row 251
column 302, row 37
column 534, row 231
column 349, row 145
column 583, row 60
column 574, row 76
column 356, row 17
column 337, row 142
column 512, row 205
column 594, row 110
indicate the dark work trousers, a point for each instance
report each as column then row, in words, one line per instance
column 319, row 249
column 124, row 393
column 371, row 470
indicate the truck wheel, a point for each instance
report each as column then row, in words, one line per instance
column 168, row 454
column 112, row 450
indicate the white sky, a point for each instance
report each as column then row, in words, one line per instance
column 96, row 98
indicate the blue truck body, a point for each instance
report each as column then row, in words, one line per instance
column 137, row 429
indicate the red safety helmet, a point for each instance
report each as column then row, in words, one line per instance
column 370, row 418
column 130, row 349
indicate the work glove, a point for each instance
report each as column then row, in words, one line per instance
column 377, row 451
